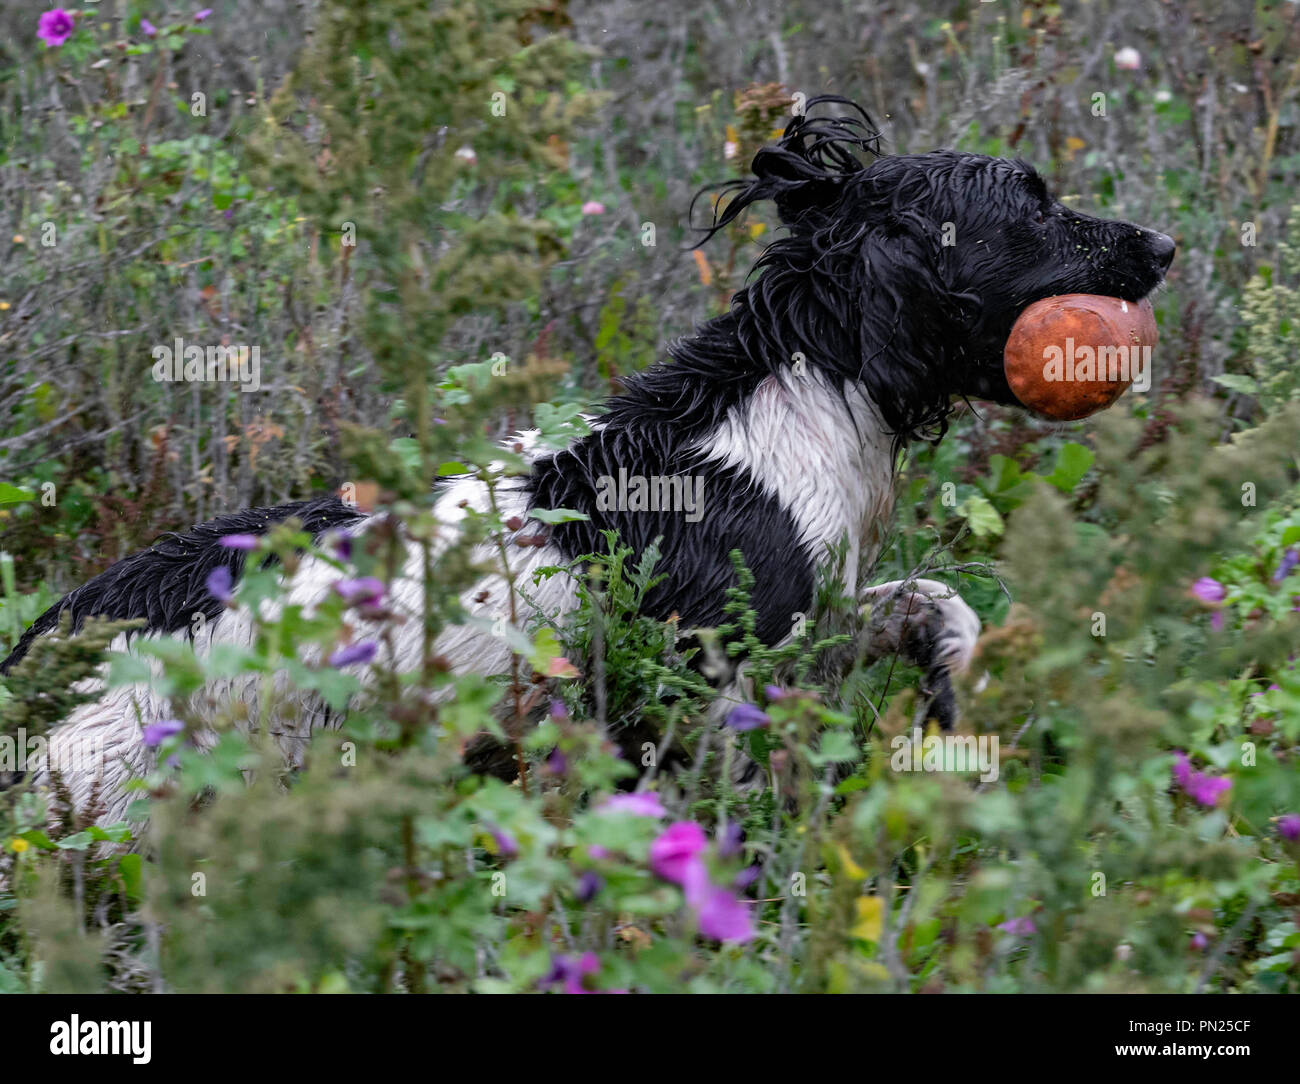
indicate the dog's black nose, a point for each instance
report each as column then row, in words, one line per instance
column 1163, row 248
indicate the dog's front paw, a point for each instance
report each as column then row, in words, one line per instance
column 958, row 627
column 931, row 625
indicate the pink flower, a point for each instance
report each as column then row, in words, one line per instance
column 1200, row 942
column 1209, row 590
column 645, row 804
column 1019, row 927
column 721, row 915
column 149, row 29
column 1288, row 827
column 1128, row 59
column 593, row 207
column 675, row 855
column 199, row 16
column 55, row 27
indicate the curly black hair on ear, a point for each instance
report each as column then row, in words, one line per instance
column 804, row 172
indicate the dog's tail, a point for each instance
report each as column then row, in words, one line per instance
column 804, row 173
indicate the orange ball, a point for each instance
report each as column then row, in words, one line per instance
column 1075, row 354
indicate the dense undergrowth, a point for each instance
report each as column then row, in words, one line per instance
column 1137, row 574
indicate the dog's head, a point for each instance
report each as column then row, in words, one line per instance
column 906, row 272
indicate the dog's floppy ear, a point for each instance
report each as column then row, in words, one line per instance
column 804, row 172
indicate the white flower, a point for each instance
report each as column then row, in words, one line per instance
column 1128, row 59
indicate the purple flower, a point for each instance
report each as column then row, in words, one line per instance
column 343, row 546
column 774, row 692
column 571, row 972
column 558, row 711
column 747, row 717
column 557, row 763
column 730, row 836
column 361, row 651
column 722, row 916
column 506, row 845
column 1204, row 789
column 220, row 584
column 598, row 852
column 589, row 885
column 1209, row 590
column 644, row 804
column 157, row 733
column 1019, row 927
column 365, row 591
column 148, row 27
column 746, row 877
column 675, row 855
column 199, row 16
column 1290, row 559
column 239, row 541
column 55, row 27
column 1207, row 788
column 1200, row 942
column 1288, row 826
column 1216, row 621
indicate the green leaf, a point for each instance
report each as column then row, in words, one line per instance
column 1245, row 385
column 131, row 868
column 13, row 494
column 981, row 516
column 557, row 515
column 1072, row 463
column 114, row 833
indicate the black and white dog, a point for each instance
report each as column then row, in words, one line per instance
column 777, row 425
